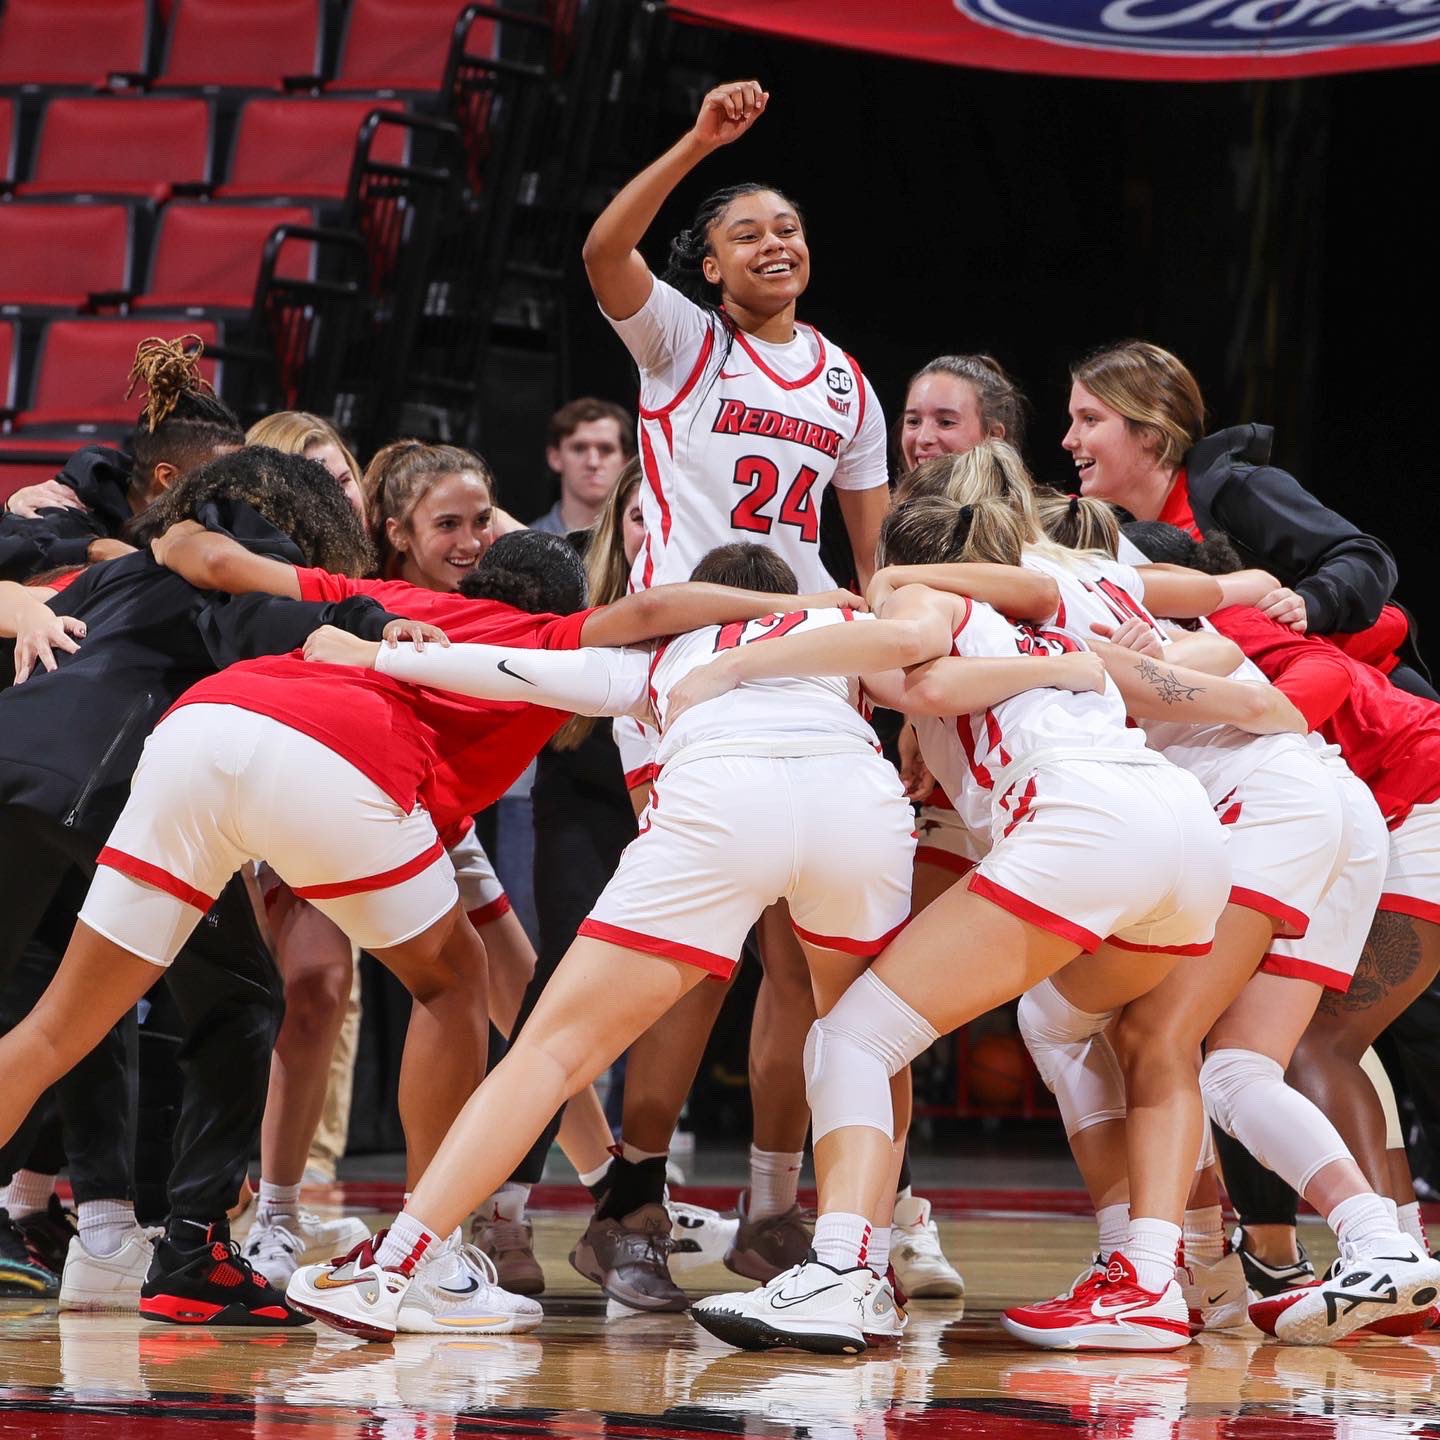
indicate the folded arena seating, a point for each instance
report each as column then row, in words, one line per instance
column 73, row 42
column 401, row 44
column 59, row 255
column 242, row 44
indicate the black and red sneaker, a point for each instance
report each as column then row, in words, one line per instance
column 211, row 1284
column 22, row 1273
column 48, row 1233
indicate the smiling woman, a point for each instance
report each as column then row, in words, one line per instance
column 431, row 510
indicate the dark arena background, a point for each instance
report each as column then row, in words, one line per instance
column 372, row 210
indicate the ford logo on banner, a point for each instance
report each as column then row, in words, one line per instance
column 1211, row 27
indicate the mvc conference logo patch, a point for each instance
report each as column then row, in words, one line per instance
column 1212, row 27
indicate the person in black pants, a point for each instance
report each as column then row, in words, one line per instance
column 69, row 741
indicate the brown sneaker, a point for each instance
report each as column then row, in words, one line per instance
column 511, row 1245
column 763, row 1249
column 629, row 1259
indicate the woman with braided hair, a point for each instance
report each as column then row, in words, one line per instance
column 746, row 418
column 78, row 517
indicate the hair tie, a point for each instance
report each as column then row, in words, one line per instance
column 1074, row 506
column 962, row 524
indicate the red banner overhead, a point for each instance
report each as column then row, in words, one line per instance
column 1118, row 39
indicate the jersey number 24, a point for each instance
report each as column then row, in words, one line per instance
column 762, row 475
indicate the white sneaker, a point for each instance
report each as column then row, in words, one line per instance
column 1215, row 1294
column 919, row 1263
column 457, row 1291
column 702, row 1237
column 809, row 1307
column 356, row 1296
column 1392, row 1276
column 883, row 1317
column 277, row 1248
column 107, row 1282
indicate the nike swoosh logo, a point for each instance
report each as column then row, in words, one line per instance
column 513, row 674
column 738, row 375
column 1107, row 1312
column 324, row 1282
column 470, row 1289
column 784, row 1302
column 1214, row 1299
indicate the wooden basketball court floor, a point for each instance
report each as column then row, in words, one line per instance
column 593, row 1376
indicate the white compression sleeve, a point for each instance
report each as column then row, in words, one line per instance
column 1073, row 1057
column 589, row 682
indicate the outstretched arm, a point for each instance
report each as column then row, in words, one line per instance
column 1021, row 594
column 618, row 273
column 674, row 609
column 210, row 561
column 37, row 630
column 957, row 685
column 1180, row 594
column 1157, row 690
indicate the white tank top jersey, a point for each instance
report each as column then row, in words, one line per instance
column 738, row 441
column 974, row 757
column 1095, row 589
column 793, row 715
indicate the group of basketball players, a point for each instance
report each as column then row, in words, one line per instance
column 1210, row 880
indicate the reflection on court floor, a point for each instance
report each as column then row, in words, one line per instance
column 589, row 1375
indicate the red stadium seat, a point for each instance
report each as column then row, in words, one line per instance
column 60, row 255
column 244, row 44
column 9, row 363
column 402, row 44
column 17, row 474
column 110, row 145
column 7, row 140
column 303, row 147
column 73, row 42
column 207, row 257
column 80, row 372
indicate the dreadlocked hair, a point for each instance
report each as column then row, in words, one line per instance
column 1078, row 522
column 299, row 497
column 1169, row 545
column 531, row 571
column 183, row 422
column 938, row 530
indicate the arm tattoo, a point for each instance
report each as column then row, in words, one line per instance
column 1166, row 686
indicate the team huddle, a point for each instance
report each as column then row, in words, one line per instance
column 1155, row 806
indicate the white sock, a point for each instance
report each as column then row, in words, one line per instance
column 774, row 1181
column 105, row 1225
column 591, row 1178
column 27, row 1192
column 508, row 1202
column 1361, row 1220
column 1113, row 1223
column 1410, row 1223
column 276, row 1202
column 877, row 1254
column 1150, row 1246
column 634, row 1154
column 1205, row 1235
column 842, row 1241
column 406, row 1244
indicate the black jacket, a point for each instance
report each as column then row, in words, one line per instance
column 100, row 477
column 70, row 739
column 1344, row 575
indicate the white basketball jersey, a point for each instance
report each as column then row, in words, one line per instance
column 793, row 715
column 966, row 753
column 1219, row 756
column 739, row 438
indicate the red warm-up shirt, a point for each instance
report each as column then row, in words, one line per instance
column 1389, row 738
column 451, row 753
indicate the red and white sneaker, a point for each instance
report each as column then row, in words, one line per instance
column 1107, row 1311
column 1215, row 1294
column 352, row 1293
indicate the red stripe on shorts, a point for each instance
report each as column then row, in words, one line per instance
column 366, row 883
column 149, row 874
column 1297, row 969
column 1297, row 921
column 1410, row 905
column 484, row 914
column 1119, row 944
column 943, row 860
column 720, row 965
column 862, row 948
column 634, row 779
column 1033, row 914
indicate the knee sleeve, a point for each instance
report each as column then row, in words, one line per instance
column 1245, row 1094
column 1074, row 1058
column 1394, row 1134
column 850, row 1055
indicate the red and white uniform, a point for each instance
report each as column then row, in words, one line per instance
column 341, row 779
column 738, row 442
column 774, row 790
column 1285, row 818
column 482, row 896
column 1391, row 740
column 1093, row 835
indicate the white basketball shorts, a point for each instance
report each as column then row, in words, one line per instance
column 1412, row 878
